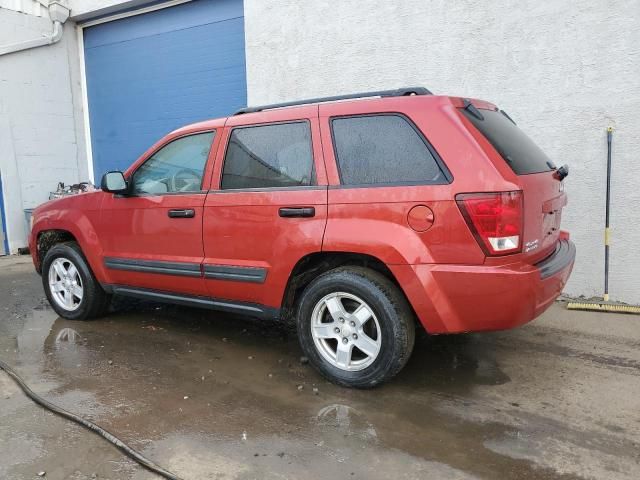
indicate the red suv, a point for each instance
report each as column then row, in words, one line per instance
column 356, row 216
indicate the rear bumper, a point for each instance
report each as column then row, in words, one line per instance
column 563, row 256
column 463, row 298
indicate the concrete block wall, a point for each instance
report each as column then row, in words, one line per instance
column 41, row 132
column 563, row 70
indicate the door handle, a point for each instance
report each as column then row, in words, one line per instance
column 182, row 213
column 291, row 212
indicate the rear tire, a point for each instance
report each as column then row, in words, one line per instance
column 70, row 286
column 355, row 326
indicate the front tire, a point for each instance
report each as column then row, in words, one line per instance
column 355, row 326
column 69, row 284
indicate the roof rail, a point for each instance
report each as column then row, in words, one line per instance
column 399, row 92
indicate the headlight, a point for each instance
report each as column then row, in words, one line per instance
column 31, row 222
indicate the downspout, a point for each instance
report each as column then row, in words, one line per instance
column 58, row 14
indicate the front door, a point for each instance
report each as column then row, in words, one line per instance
column 152, row 237
column 267, row 208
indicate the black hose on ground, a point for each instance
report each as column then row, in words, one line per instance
column 130, row 452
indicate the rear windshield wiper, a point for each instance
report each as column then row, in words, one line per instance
column 507, row 115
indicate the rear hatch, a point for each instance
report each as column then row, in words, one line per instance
column 536, row 174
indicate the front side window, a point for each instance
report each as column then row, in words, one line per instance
column 267, row 156
column 176, row 167
column 383, row 149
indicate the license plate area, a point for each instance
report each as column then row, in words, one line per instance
column 551, row 224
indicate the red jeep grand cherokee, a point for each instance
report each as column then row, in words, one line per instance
column 356, row 218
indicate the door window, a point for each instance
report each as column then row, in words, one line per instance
column 177, row 167
column 267, row 156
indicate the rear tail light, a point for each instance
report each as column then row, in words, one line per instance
column 495, row 220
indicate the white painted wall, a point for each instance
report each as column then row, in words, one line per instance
column 40, row 118
column 563, row 70
column 32, row 7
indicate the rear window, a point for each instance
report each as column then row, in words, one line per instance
column 519, row 151
column 383, row 149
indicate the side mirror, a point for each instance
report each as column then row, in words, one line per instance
column 114, row 182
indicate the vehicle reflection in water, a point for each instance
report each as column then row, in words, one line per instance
column 68, row 335
column 348, row 420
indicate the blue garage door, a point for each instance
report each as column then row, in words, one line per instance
column 151, row 73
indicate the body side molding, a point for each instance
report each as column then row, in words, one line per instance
column 238, row 274
column 183, row 269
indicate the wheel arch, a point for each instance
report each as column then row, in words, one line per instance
column 312, row 265
column 46, row 239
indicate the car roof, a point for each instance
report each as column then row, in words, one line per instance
column 301, row 105
column 378, row 94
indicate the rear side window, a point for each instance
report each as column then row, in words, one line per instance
column 267, row 156
column 383, row 149
column 518, row 150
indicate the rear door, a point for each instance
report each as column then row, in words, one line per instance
column 544, row 196
column 267, row 207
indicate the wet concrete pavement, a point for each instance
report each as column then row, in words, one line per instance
column 208, row 395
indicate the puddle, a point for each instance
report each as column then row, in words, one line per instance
column 211, row 395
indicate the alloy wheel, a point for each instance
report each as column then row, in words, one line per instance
column 346, row 331
column 65, row 284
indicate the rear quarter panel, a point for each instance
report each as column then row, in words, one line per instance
column 373, row 220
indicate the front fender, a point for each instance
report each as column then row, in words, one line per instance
column 76, row 215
